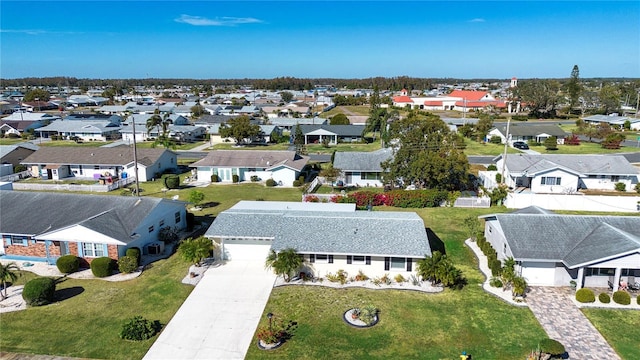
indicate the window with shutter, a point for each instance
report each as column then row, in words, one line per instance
column 312, row 258
column 368, row 260
column 409, row 264
column 387, row 263
column 330, row 259
column 349, row 259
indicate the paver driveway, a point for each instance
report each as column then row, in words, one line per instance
column 220, row 316
column 563, row 321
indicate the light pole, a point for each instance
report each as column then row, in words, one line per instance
column 270, row 316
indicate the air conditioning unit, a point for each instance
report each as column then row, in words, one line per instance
column 153, row 249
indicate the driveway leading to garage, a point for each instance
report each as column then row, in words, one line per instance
column 220, row 316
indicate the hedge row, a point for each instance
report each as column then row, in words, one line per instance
column 396, row 198
column 492, row 256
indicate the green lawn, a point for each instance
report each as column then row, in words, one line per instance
column 621, row 328
column 584, row 148
column 87, row 322
column 10, row 141
column 413, row 325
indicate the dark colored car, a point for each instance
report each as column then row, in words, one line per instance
column 520, row 145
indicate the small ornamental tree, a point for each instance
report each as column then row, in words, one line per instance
column 620, row 186
column 172, row 181
column 285, row 263
column 196, row 250
column 551, row 143
column 8, row 272
column 196, row 197
column 39, row 291
column 551, row 347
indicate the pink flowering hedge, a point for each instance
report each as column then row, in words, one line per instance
column 396, row 198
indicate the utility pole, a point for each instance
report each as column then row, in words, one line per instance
column 135, row 156
column 504, row 156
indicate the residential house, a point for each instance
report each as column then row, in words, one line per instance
column 526, row 132
column 284, row 167
column 567, row 173
column 552, row 249
column 315, row 134
column 102, row 117
column 85, row 100
column 613, row 120
column 361, row 168
column 268, row 133
column 31, row 116
column 93, row 163
column 85, row 130
column 14, row 154
column 290, row 123
column 41, row 226
column 17, row 128
column 143, row 134
column 330, row 237
column 459, row 100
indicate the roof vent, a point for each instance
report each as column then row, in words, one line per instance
column 91, row 154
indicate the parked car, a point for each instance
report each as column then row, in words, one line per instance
column 520, row 145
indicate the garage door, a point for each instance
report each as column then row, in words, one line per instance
column 246, row 249
column 539, row 273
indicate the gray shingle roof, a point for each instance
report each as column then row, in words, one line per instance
column 253, row 159
column 582, row 164
column 119, row 155
column 381, row 233
column 532, row 130
column 361, row 161
column 341, row 130
column 85, row 126
column 573, row 239
column 40, row 212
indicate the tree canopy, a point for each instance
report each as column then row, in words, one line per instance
column 40, row 94
column 540, row 95
column 298, row 141
column 427, row 154
column 239, row 129
column 286, row 96
column 339, row 119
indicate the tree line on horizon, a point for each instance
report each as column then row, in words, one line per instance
column 275, row 84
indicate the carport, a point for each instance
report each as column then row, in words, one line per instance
column 219, row 318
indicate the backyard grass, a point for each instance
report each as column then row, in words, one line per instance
column 87, row 321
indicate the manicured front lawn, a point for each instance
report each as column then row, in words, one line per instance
column 412, row 325
column 584, row 148
column 621, row 329
column 87, row 322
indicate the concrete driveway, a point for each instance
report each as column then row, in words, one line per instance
column 220, row 316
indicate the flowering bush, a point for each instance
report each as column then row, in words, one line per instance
column 268, row 336
column 311, row 198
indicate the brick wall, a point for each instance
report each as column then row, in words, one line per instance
column 39, row 250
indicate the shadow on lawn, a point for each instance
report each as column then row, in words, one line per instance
column 435, row 242
column 68, row 293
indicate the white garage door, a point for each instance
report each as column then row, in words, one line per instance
column 246, row 249
column 539, row 273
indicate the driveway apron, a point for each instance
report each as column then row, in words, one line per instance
column 220, row 316
column 563, row 321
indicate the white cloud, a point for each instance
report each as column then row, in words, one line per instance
column 476, row 20
column 223, row 21
column 36, row 32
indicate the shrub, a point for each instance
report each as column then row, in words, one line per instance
column 135, row 252
column 551, row 143
column 172, row 181
column 270, row 183
column 496, row 267
column 399, row 278
column 235, row 178
column 127, row 264
column 301, row 179
column 604, row 298
column 585, row 295
column 498, row 178
column 572, row 140
column 296, row 183
column 102, row 266
column 495, row 282
column 368, row 314
column 495, row 140
column 361, row 276
column 340, row 276
column 638, row 300
column 255, row 178
column 139, row 328
column 621, row 186
column 167, row 234
column 621, row 297
column 637, row 188
column 68, row 264
column 215, row 178
column 39, row 291
column 552, row 347
column 492, row 167
column 19, row 168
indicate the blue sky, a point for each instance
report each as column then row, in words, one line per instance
column 314, row 39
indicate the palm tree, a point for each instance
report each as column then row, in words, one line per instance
column 7, row 273
column 284, row 263
column 196, row 250
column 448, row 274
column 508, row 273
column 519, row 286
column 428, row 267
